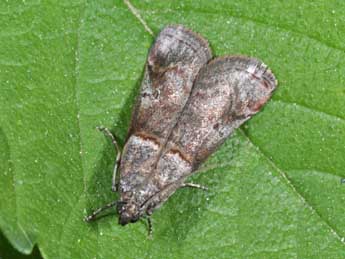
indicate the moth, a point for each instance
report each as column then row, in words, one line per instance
column 189, row 104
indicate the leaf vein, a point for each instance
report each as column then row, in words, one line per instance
column 256, row 21
column 77, row 105
column 302, row 106
column 135, row 12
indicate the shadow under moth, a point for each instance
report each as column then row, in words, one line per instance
column 189, row 104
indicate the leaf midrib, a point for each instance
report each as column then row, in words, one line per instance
column 76, row 93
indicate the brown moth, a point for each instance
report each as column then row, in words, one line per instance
column 187, row 107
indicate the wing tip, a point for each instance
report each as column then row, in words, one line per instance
column 196, row 36
column 253, row 65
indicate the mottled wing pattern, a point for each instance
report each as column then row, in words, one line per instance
column 172, row 66
column 227, row 92
column 186, row 109
column 173, row 63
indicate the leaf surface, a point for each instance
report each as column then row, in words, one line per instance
column 275, row 186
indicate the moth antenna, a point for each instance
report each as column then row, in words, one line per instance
column 93, row 215
column 194, row 185
column 149, row 223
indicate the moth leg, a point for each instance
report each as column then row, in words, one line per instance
column 107, row 132
column 193, row 185
column 93, row 215
column 149, row 222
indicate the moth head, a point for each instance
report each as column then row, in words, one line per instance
column 128, row 212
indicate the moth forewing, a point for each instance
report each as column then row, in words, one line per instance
column 172, row 65
column 227, row 92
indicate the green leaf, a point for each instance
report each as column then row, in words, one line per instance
column 7, row 251
column 275, row 186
